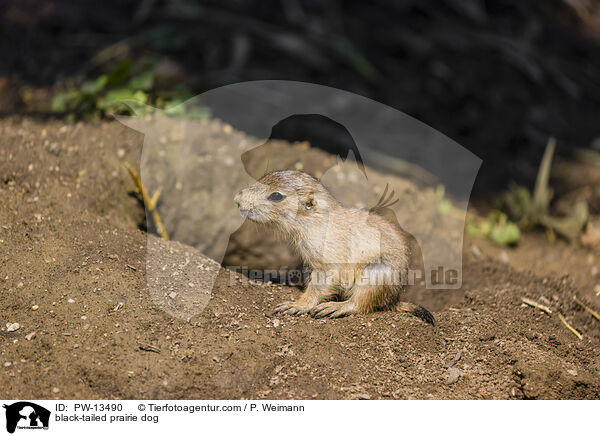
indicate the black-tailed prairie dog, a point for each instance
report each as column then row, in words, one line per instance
column 358, row 258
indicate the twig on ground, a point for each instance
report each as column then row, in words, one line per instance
column 567, row 325
column 149, row 203
column 536, row 305
column 588, row 309
column 149, row 347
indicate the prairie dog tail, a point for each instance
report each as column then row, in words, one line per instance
column 418, row 311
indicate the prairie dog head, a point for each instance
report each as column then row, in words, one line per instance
column 286, row 199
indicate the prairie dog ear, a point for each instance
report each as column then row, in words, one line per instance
column 319, row 203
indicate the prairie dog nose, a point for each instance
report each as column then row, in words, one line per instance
column 238, row 198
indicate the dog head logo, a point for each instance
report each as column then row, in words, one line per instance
column 26, row 415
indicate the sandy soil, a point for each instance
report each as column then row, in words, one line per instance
column 72, row 274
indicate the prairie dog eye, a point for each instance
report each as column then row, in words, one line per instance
column 276, row 197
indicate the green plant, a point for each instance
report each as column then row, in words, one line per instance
column 531, row 210
column 107, row 93
column 497, row 227
column 437, row 194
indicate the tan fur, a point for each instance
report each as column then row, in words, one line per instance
column 346, row 243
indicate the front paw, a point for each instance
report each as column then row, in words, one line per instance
column 332, row 309
column 290, row 308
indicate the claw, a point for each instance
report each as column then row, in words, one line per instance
column 289, row 308
column 331, row 310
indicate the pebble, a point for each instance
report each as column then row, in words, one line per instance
column 70, row 300
column 12, row 327
column 35, row 307
column 7, row 364
column 55, row 390
column 503, row 256
column 173, row 295
column 30, row 336
column 573, row 372
column 453, row 375
column 85, row 327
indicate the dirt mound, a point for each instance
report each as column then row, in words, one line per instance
column 73, row 276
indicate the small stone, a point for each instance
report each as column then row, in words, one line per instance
column 121, row 153
column 7, row 364
column 30, row 336
column 35, row 307
column 55, row 390
column 503, row 256
column 173, row 295
column 453, row 375
column 12, row 327
column 363, row 397
column 276, row 322
column 573, row 372
column 191, row 285
column 85, row 327
column 476, row 251
column 71, row 301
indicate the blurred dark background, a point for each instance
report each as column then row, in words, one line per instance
column 499, row 77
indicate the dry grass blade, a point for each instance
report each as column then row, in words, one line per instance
column 536, row 305
column 150, row 203
column 541, row 191
column 567, row 325
column 588, row 309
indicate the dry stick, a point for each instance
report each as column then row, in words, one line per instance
column 567, row 325
column 593, row 312
column 536, row 305
column 549, row 311
column 149, row 202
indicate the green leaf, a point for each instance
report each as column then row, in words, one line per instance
column 472, row 229
column 119, row 74
column 444, row 207
column 140, row 96
column 144, row 82
column 93, row 87
column 505, row 234
column 59, row 102
column 174, row 108
column 113, row 98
